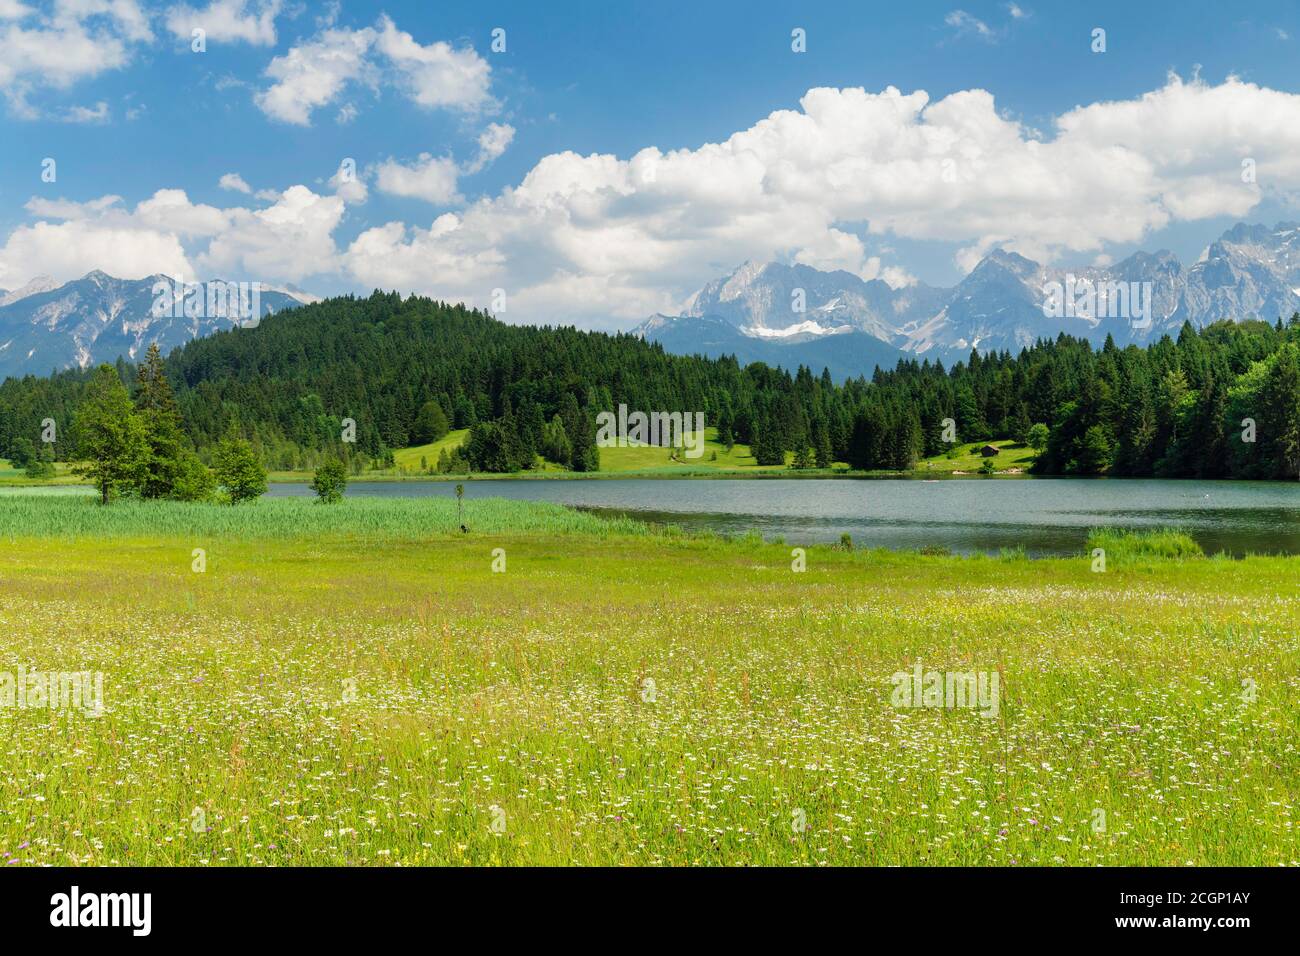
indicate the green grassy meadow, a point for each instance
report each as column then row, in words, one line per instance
column 11, row 476
column 356, row 685
column 715, row 461
column 632, row 461
column 966, row 459
column 409, row 458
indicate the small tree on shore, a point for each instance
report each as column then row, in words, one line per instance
column 330, row 481
column 1037, row 436
column 41, row 464
column 238, row 470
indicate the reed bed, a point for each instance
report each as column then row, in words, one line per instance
column 76, row 516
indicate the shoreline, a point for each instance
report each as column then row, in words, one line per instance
column 305, row 478
column 655, row 476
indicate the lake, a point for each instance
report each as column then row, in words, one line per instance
column 1049, row 516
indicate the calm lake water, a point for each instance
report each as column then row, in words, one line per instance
column 1043, row 516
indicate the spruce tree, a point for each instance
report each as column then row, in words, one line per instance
column 1280, row 416
column 822, row 443
column 157, row 409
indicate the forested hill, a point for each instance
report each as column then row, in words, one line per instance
column 406, row 370
column 288, row 383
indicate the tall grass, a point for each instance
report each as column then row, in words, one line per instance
column 1125, row 543
column 49, row 516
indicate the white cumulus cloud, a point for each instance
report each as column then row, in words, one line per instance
column 631, row 236
column 605, row 240
column 434, row 178
column 62, row 44
column 234, row 183
column 227, row 21
column 431, row 178
column 348, row 184
column 314, row 73
column 14, row 10
column 436, row 75
column 492, row 142
column 167, row 233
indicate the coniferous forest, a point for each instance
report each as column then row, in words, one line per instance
column 1223, row 401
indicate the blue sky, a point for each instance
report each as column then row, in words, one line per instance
column 111, row 90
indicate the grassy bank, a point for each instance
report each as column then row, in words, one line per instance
column 615, row 696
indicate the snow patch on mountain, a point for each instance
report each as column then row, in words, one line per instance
column 803, row 328
column 293, row 292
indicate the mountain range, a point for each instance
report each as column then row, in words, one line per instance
column 1007, row 302
column 787, row 315
column 46, row 326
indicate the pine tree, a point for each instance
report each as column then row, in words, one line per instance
column 765, row 444
column 532, row 425
column 156, row 406
column 726, row 437
column 1280, row 416
column 555, row 443
column 970, row 423
column 1208, row 456
column 822, row 443
column 1095, row 451
column 864, row 451
column 586, row 450
column 513, row 453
